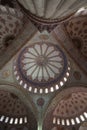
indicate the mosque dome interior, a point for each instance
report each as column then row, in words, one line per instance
column 43, row 64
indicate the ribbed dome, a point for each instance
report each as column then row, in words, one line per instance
column 41, row 68
column 52, row 8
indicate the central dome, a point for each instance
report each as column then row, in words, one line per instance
column 41, row 67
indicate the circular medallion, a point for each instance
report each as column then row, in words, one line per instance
column 41, row 67
column 40, row 102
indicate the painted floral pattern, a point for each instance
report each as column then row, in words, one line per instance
column 42, row 62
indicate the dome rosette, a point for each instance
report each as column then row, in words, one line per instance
column 71, row 108
column 41, row 68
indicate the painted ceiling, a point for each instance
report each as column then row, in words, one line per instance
column 43, row 75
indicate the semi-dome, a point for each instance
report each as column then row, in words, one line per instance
column 76, row 28
column 68, row 108
column 41, row 68
column 72, row 108
column 10, row 26
column 51, row 9
column 12, row 110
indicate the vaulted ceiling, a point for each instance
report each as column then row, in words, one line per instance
column 43, row 64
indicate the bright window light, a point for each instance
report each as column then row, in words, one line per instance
column 65, row 79
column 25, row 86
column 72, row 122
column 35, row 90
column 17, row 77
column 57, row 87
column 63, row 122
column 30, row 88
column 54, row 120
column 11, row 120
column 46, row 90
column 25, row 119
column 2, row 118
column 67, row 74
column 68, row 68
column 52, row 89
column 61, row 83
column 16, row 121
column 6, row 120
column 85, row 114
column 67, row 122
column 21, row 120
column 21, row 82
column 77, row 120
column 41, row 90
column 58, row 121
column 82, row 118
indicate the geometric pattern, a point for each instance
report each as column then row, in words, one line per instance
column 12, row 110
column 72, row 108
column 77, row 30
column 41, row 68
column 10, row 26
